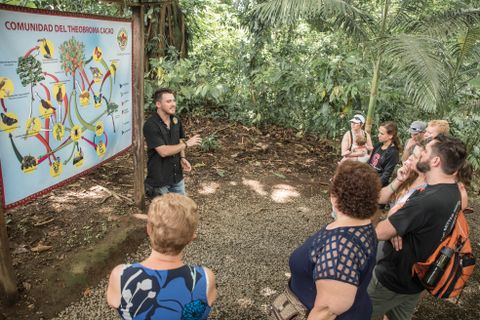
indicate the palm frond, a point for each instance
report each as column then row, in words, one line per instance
column 344, row 14
column 406, row 14
column 447, row 23
column 424, row 73
column 466, row 45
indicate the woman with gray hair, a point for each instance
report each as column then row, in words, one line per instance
column 163, row 286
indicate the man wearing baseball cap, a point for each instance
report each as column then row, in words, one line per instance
column 417, row 132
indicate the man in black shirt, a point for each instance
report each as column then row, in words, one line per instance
column 166, row 147
column 421, row 223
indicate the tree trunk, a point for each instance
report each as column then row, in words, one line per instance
column 166, row 28
column 372, row 103
column 138, row 116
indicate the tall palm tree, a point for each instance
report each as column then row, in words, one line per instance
column 401, row 34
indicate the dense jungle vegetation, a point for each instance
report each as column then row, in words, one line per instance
column 311, row 64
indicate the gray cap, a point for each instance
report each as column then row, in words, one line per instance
column 417, row 127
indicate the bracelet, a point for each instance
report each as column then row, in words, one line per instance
column 186, row 145
column 182, row 157
column 391, row 187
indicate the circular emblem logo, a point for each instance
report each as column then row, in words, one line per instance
column 122, row 38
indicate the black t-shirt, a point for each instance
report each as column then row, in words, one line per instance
column 422, row 223
column 167, row 170
column 384, row 161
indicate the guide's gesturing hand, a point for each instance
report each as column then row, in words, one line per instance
column 194, row 141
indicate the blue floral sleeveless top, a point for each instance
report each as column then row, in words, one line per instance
column 163, row 294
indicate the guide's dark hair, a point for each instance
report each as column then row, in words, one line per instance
column 157, row 96
column 452, row 152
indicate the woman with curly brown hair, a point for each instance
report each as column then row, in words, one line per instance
column 332, row 269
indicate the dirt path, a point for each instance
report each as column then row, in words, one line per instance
column 260, row 195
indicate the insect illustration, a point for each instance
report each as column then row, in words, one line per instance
column 8, row 120
column 97, row 98
column 97, row 52
column 85, row 95
column 46, row 105
column 28, row 162
column 96, row 72
column 59, row 95
column 78, row 157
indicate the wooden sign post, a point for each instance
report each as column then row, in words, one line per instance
column 8, row 283
column 138, row 115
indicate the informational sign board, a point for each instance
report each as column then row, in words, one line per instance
column 65, row 97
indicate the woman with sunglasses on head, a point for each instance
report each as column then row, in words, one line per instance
column 350, row 138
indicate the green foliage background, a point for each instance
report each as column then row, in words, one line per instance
column 309, row 78
column 308, row 75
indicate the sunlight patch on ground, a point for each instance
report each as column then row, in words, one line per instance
column 255, row 186
column 105, row 209
column 267, row 292
column 62, row 204
column 304, row 209
column 233, row 183
column 208, row 188
column 95, row 192
column 245, row 302
column 283, row 193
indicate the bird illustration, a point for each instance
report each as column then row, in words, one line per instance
column 59, row 96
column 96, row 72
column 8, row 120
column 47, row 54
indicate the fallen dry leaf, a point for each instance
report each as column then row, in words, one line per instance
column 40, row 248
column 88, row 292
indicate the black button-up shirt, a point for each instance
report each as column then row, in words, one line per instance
column 162, row 171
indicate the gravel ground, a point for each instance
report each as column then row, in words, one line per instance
column 247, row 231
column 246, row 234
